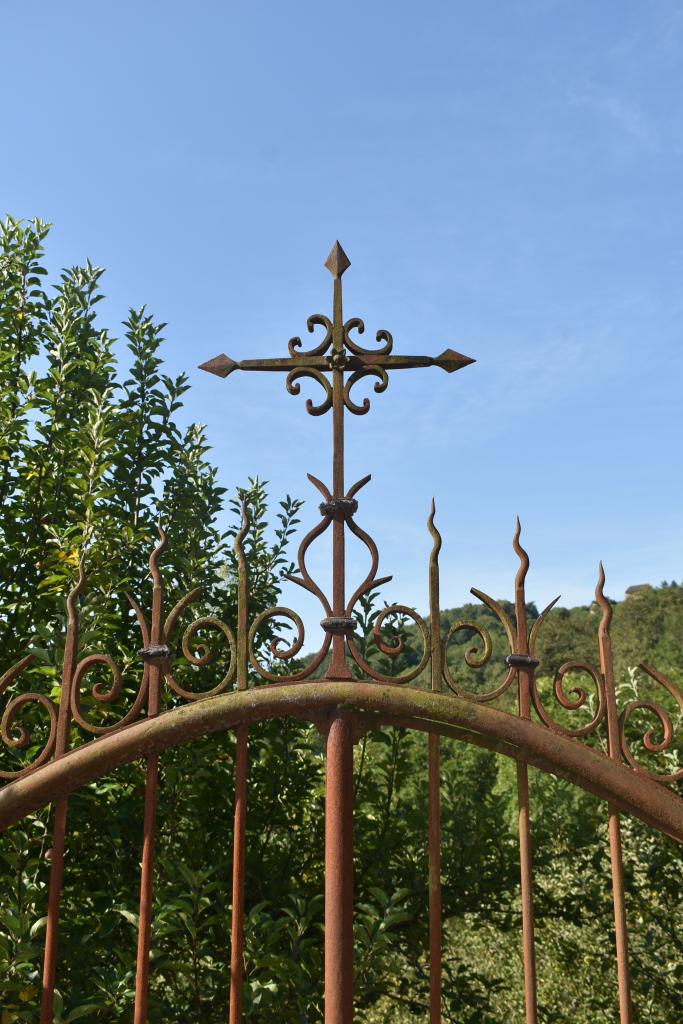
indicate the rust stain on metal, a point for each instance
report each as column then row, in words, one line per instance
column 434, row 782
column 59, row 821
column 239, row 841
column 339, row 872
column 616, row 856
column 153, row 671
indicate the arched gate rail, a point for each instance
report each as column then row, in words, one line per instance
column 369, row 705
column 344, row 695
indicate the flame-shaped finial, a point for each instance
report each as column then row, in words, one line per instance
column 522, row 555
column 436, row 536
column 607, row 610
column 75, row 592
column 154, row 557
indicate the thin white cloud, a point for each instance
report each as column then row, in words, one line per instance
column 624, row 115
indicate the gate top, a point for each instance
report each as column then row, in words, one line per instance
column 337, row 363
column 632, row 787
column 338, row 354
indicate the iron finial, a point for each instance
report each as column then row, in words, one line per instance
column 337, row 261
column 221, row 365
column 450, row 360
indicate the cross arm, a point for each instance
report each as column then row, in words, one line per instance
column 449, row 360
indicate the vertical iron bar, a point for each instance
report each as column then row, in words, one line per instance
column 615, row 850
column 526, row 876
column 153, row 668
column 53, row 907
column 339, row 872
column 59, row 823
column 524, row 677
column 434, row 882
column 238, row 868
column 434, row 783
column 146, row 885
column 339, row 759
column 239, row 843
column 338, row 667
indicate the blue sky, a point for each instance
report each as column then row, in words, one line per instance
column 506, row 178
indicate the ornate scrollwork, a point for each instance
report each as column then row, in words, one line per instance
column 648, row 740
column 334, row 625
column 105, row 696
column 384, row 339
column 304, row 580
column 473, row 659
column 200, row 657
column 294, row 388
column 99, row 692
column 393, row 649
column 14, row 734
column 295, row 346
column 482, row 632
column 571, row 703
column 371, row 581
column 381, row 385
column 522, row 645
column 287, row 653
column 204, row 656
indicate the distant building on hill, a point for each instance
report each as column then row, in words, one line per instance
column 637, row 588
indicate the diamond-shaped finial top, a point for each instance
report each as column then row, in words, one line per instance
column 337, row 262
column 451, row 361
column 221, row 365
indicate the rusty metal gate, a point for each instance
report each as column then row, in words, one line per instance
column 341, row 705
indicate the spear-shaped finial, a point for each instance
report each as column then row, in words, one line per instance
column 337, row 261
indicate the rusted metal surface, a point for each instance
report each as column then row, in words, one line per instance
column 616, row 856
column 434, row 783
column 239, row 851
column 418, row 709
column 534, row 736
column 523, row 662
column 156, row 645
column 434, row 854
column 339, row 871
column 59, row 822
column 239, row 828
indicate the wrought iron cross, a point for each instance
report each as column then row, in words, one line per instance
column 337, row 354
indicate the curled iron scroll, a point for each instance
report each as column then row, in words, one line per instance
column 571, row 703
column 283, row 654
column 13, row 733
column 293, row 387
column 393, row 649
column 383, row 338
column 102, row 695
column 473, row 659
column 649, row 741
column 381, row 385
column 305, row 579
column 295, row 345
column 204, row 656
column 99, row 692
